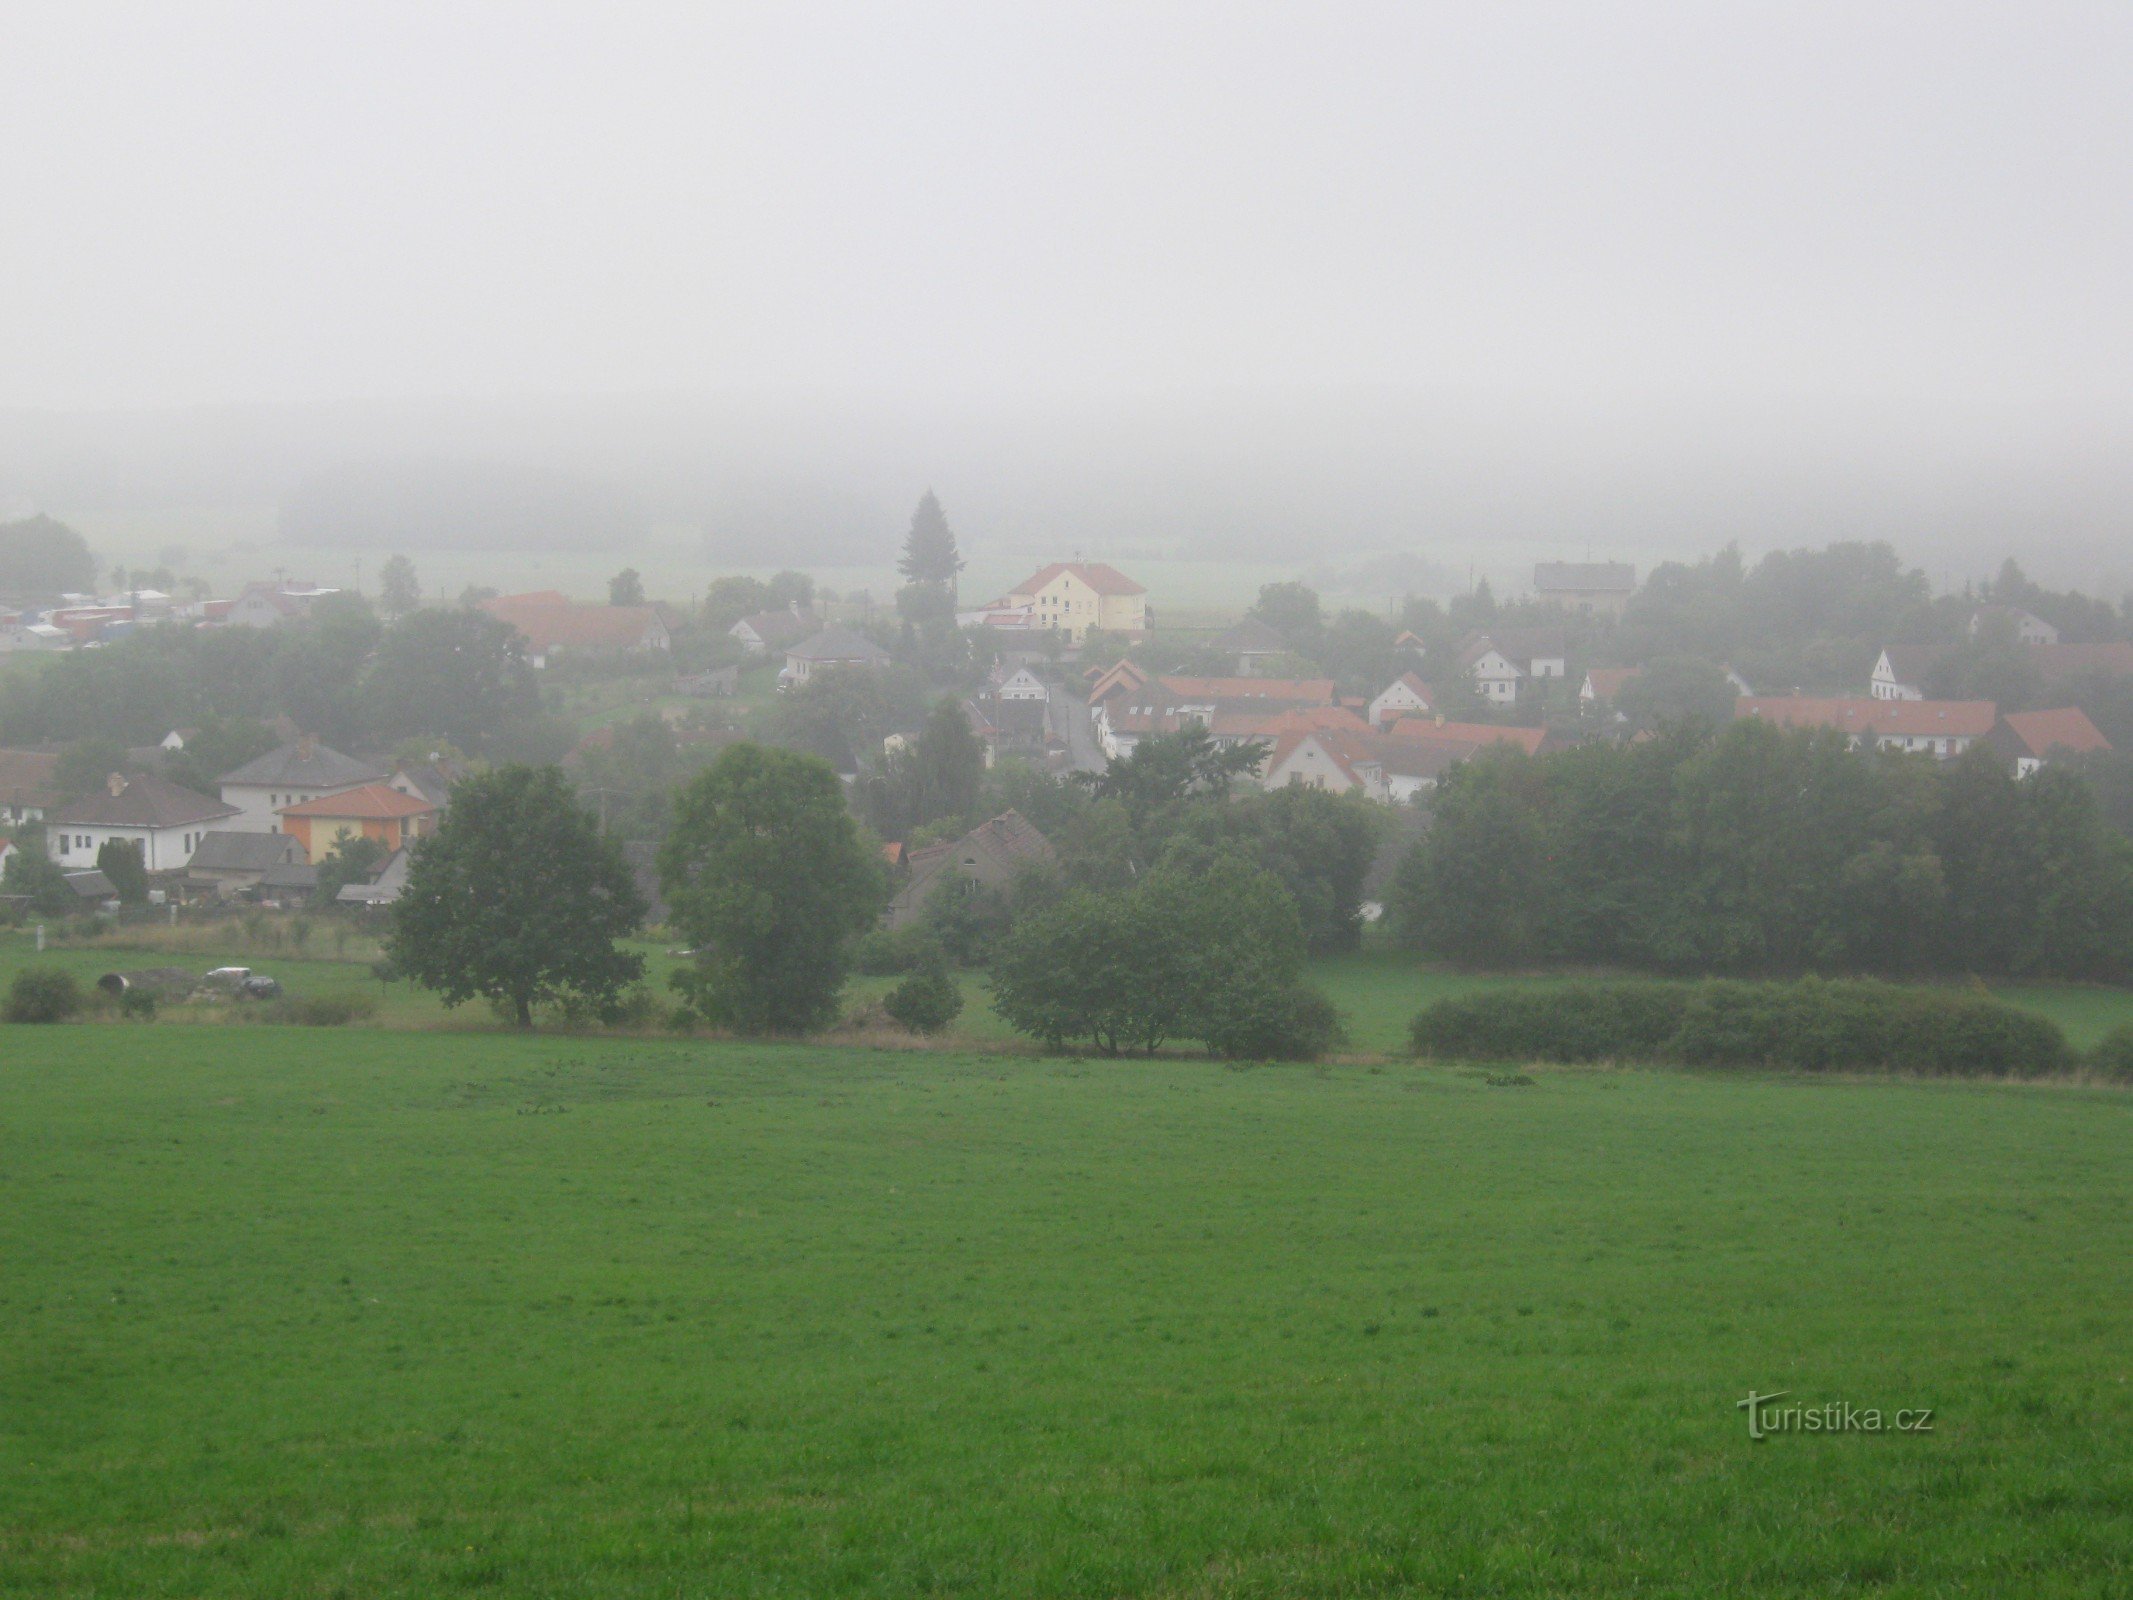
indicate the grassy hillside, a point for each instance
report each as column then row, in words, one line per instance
column 397, row 1314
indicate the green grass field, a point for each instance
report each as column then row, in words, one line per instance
column 1377, row 991
column 380, row 1313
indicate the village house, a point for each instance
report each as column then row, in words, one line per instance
column 32, row 636
column 553, row 626
column 1406, row 696
column 1595, row 588
column 2032, row 738
column 1939, row 728
column 374, row 811
column 167, row 822
column 832, row 647
column 1230, row 709
column 2026, row 628
column 1900, row 674
column 773, row 632
column 384, row 887
column 273, row 605
column 1392, row 769
column 432, row 780
column 1254, row 644
column 300, row 770
column 1503, row 662
column 29, row 786
column 1071, row 597
column 1603, row 686
column 235, row 863
column 987, row 857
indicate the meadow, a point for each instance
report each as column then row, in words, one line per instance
column 1377, row 990
column 374, row 1313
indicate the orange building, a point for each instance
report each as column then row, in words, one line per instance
column 374, row 811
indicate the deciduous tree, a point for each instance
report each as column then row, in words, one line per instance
column 768, row 876
column 518, row 897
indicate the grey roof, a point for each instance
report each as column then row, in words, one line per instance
column 1552, row 576
column 1252, row 636
column 92, row 885
column 226, row 851
column 433, row 781
column 778, row 627
column 306, row 764
column 839, row 644
column 291, row 875
column 141, row 802
column 382, row 890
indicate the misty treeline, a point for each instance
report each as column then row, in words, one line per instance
column 41, row 559
column 1762, row 850
column 456, row 676
column 1811, row 620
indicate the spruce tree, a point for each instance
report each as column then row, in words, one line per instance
column 930, row 555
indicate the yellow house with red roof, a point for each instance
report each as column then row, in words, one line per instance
column 1075, row 596
column 375, row 811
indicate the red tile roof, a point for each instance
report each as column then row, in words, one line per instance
column 374, row 802
column 551, row 622
column 1608, row 682
column 1103, row 579
column 2039, row 732
column 1887, row 719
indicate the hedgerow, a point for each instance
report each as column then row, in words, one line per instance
column 1808, row 1024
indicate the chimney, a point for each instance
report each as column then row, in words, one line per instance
column 116, row 783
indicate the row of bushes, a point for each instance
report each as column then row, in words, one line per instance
column 51, row 994
column 1811, row 1025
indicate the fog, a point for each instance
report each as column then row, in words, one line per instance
column 1210, row 278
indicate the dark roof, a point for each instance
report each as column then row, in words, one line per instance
column 776, row 628
column 227, row 851
column 92, row 885
column 1252, row 637
column 432, row 781
column 306, row 764
column 141, row 802
column 839, row 644
column 1557, row 576
column 291, row 875
column 27, row 778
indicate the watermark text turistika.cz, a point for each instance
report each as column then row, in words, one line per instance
column 1767, row 1418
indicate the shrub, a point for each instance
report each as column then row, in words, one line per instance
column 890, row 953
column 1285, row 1020
column 927, row 1001
column 42, row 994
column 2113, row 1056
column 1808, row 1025
column 320, row 1010
column 138, row 1004
column 1574, row 1022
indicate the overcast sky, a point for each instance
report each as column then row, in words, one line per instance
column 284, row 201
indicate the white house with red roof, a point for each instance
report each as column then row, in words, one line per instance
column 1940, row 728
column 1071, row 597
column 1406, row 696
column 2031, row 738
